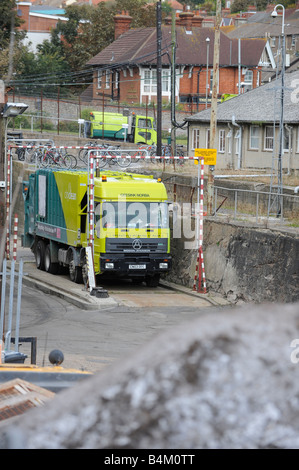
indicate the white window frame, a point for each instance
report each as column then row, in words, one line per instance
column 269, row 138
column 195, row 135
column 248, row 79
column 149, row 82
column 287, row 144
column 221, row 146
column 116, row 80
column 108, row 79
column 297, row 150
column 100, row 78
column 252, row 138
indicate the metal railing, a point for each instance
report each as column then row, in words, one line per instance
column 243, row 202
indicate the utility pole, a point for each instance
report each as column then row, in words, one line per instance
column 2, row 182
column 173, row 83
column 213, row 122
column 159, row 80
column 2, row 166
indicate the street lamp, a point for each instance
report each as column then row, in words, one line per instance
column 13, row 109
column 280, row 152
column 207, row 73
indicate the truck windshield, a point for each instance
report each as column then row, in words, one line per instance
column 118, row 214
column 144, row 123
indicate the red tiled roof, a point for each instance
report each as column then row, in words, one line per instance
column 139, row 46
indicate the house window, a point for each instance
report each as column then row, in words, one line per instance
column 107, row 79
column 286, row 140
column 150, row 81
column 221, row 140
column 165, row 81
column 273, row 41
column 100, row 75
column 293, row 44
column 248, row 79
column 254, row 137
column 229, row 141
column 195, row 139
column 208, row 138
column 269, row 138
column 116, row 80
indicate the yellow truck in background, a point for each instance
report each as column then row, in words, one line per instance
column 116, row 126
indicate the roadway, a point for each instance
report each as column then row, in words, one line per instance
column 94, row 332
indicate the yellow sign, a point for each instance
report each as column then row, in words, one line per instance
column 209, row 156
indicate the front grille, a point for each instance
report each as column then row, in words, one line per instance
column 136, row 245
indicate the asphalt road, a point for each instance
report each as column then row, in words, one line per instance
column 91, row 332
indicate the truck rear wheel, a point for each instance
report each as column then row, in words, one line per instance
column 40, row 255
column 50, row 267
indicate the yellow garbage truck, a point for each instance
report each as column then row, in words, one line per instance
column 126, row 222
column 116, row 126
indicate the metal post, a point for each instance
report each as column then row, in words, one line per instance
column 3, row 290
column 18, row 314
column 159, row 82
column 207, row 72
column 10, row 311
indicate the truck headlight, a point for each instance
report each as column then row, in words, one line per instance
column 163, row 265
column 109, row 265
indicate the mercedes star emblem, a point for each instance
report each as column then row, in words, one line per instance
column 137, row 244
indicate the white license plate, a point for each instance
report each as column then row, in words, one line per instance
column 137, row 266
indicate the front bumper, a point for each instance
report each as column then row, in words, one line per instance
column 134, row 265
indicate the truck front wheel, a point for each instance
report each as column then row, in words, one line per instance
column 152, row 281
column 40, row 255
column 75, row 272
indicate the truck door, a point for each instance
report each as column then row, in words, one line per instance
column 144, row 131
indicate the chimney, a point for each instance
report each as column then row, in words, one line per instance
column 122, row 23
column 23, row 9
column 197, row 20
column 186, row 19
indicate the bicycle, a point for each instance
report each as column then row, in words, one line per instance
column 51, row 157
column 83, row 153
column 112, row 155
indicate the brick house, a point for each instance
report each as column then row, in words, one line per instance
column 38, row 21
column 125, row 71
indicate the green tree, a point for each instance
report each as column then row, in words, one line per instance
column 10, row 38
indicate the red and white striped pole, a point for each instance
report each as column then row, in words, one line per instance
column 7, row 250
column 91, row 200
column 200, row 268
column 15, row 237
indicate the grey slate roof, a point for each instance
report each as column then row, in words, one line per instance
column 262, row 22
column 139, row 46
column 257, row 105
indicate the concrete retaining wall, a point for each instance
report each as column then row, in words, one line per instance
column 242, row 262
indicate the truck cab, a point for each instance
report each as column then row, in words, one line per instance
column 143, row 130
